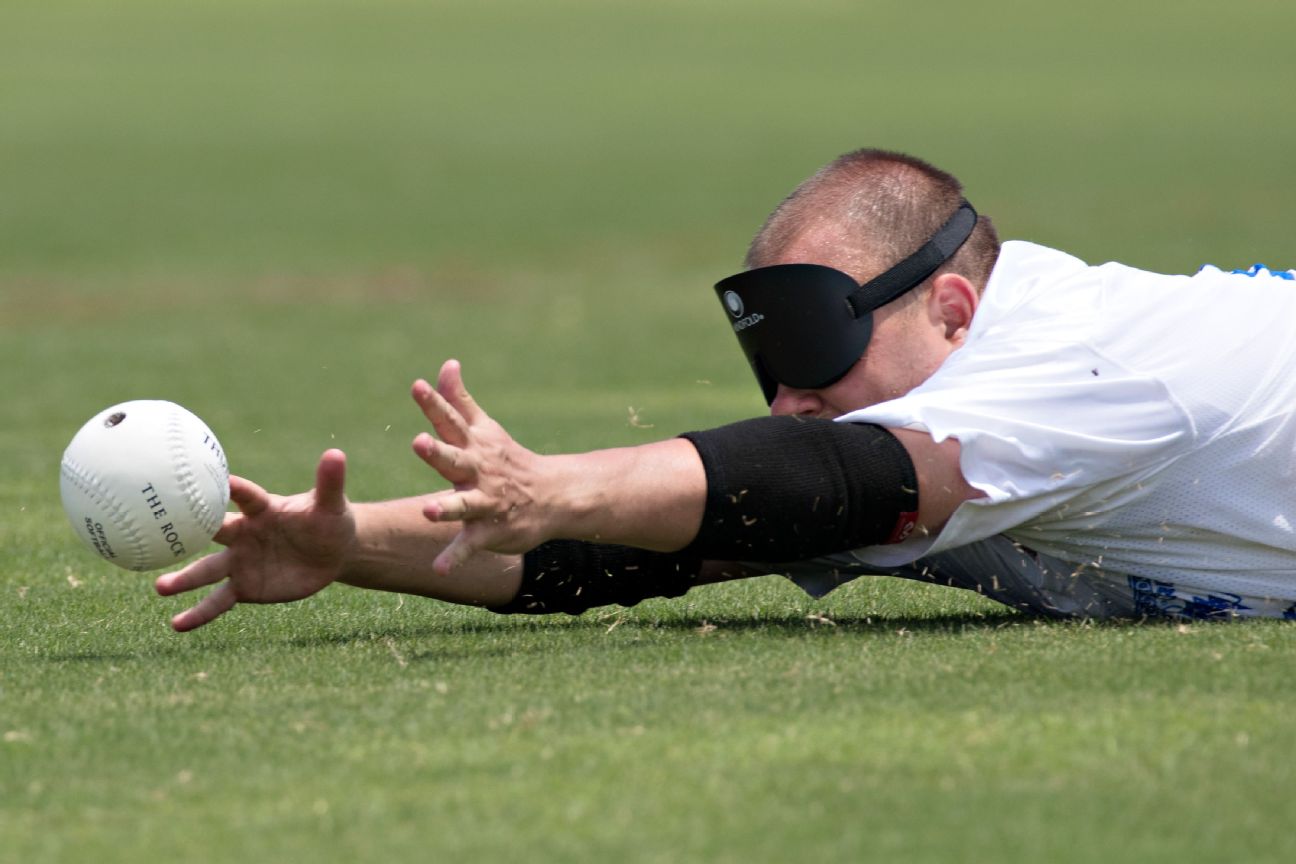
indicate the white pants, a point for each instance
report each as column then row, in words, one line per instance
column 1005, row 571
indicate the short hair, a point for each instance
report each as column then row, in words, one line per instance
column 892, row 201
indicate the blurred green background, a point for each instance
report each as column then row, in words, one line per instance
column 189, row 186
column 279, row 213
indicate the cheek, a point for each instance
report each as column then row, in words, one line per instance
column 861, row 392
column 884, row 374
column 892, row 377
column 888, row 375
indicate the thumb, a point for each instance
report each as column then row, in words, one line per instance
column 330, row 482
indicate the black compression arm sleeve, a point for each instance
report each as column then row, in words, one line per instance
column 572, row 576
column 792, row 488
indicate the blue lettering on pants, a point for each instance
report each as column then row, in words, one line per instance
column 1155, row 598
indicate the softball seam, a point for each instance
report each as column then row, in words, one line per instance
column 90, row 485
column 207, row 519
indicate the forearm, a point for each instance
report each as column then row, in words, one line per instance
column 395, row 547
column 394, row 550
column 651, row 496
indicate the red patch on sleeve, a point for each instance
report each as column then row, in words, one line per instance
column 904, row 526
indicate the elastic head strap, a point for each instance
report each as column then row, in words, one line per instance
column 910, row 272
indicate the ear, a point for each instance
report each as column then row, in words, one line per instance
column 951, row 304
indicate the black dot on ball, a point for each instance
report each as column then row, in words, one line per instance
column 114, row 418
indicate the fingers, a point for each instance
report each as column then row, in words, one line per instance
column 205, row 571
column 452, row 463
column 256, row 540
column 211, row 607
column 451, row 386
column 459, row 506
column 449, row 405
column 459, row 550
column 230, row 528
column 330, row 482
column 250, row 498
column 450, row 425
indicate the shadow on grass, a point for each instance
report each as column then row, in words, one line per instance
column 606, row 622
column 509, row 635
column 122, row 656
column 798, row 624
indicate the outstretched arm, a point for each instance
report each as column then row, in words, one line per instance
column 285, row 548
column 506, row 500
column 654, row 496
column 509, row 499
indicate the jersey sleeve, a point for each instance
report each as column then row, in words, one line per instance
column 1048, row 430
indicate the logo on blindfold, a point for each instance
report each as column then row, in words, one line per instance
column 734, row 304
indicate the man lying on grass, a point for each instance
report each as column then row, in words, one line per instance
column 1066, row 439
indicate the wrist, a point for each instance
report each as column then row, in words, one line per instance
column 360, row 557
column 392, row 540
column 571, row 494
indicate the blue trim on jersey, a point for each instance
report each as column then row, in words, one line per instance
column 1255, row 270
column 1262, row 270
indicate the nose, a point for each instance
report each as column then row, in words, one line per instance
column 789, row 401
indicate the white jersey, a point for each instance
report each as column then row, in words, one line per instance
column 1123, row 421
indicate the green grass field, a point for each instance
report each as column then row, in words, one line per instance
column 280, row 213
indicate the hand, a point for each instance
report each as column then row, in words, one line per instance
column 494, row 478
column 277, row 549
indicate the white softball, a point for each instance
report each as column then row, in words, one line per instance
column 145, row 484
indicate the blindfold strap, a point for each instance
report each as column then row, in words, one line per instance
column 911, row 271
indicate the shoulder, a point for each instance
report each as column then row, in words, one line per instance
column 1022, row 264
column 1033, row 284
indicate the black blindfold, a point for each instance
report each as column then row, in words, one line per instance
column 806, row 325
